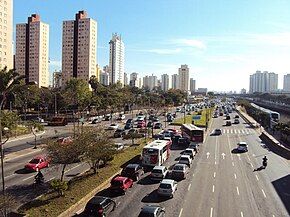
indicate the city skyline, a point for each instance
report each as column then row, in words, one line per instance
column 238, row 39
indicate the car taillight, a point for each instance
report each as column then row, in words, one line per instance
column 100, row 211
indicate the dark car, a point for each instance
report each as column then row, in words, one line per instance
column 129, row 121
column 152, row 211
column 99, row 206
column 133, row 171
column 150, row 124
column 157, row 125
column 155, row 119
column 228, row 117
column 228, row 123
column 217, row 132
column 128, row 126
column 237, row 116
column 183, row 141
column 119, row 133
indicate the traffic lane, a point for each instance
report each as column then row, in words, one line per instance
column 141, row 193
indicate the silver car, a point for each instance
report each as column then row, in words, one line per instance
column 179, row 171
column 167, row 188
column 158, row 173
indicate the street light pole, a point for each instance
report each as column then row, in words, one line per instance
column 55, row 105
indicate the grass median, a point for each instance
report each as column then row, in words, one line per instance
column 188, row 118
column 51, row 205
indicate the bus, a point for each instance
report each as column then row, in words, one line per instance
column 192, row 132
column 156, row 153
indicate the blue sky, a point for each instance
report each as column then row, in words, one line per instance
column 222, row 41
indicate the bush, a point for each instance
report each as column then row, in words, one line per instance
column 59, row 186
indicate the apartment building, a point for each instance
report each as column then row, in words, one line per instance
column 183, row 75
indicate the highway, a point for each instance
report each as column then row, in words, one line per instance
column 221, row 182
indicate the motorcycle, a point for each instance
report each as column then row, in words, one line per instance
column 38, row 180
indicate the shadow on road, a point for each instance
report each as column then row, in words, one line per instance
column 23, row 171
column 236, row 151
column 259, row 168
column 146, row 181
column 282, row 188
column 154, row 198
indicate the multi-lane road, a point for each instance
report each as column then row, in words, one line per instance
column 221, row 182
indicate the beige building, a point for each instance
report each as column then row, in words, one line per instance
column 183, row 75
column 79, row 48
column 6, row 32
column 32, row 44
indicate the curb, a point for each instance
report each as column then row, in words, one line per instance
column 81, row 203
column 25, row 137
column 27, row 151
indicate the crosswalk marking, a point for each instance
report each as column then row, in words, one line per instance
column 237, row 131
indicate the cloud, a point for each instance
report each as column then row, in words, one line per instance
column 165, row 51
column 56, row 63
column 225, row 59
column 189, row 43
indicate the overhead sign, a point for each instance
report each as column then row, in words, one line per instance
column 196, row 117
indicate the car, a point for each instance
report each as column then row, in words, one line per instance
column 228, row 123
column 96, row 120
column 150, row 124
column 237, row 116
column 107, row 117
column 158, row 125
column 182, row 141
column 242, row 147
column 215, row 115
column 132, row 131
column 141, row 124
column 236, row 121
column 194, row 146
column 217, row 132
column 129, row 121
column 99, row 206
column 119, row 146
column 185, row 159
column 128, row 126
column 179, row 171
column 113, row 127
column 155, row 119
column 152, row 211
column 37, row 163
column 120, row 184
column 178, row 110
column 121, row 117
column 190, row 152
column 119, row 133
column 170, row 118
column 228, row 117
column 133, row 171
column 167, row 188
column 158, row 173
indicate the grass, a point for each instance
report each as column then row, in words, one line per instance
column 188, row 118
column 51, row 205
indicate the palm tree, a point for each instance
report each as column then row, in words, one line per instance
column 8, row 80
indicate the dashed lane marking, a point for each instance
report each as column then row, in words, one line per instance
column 242, row 215
column 235, row 175
column 257, row 177
column 211, row 212
column 233, row 163
column 193, row 175
column 214, row 174
column 189, row 187
column 215, row 162
column 264, row 193
column 238, row 192
column 213, row 188
column 180, row 213
column 252, row 165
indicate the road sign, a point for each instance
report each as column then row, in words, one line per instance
column 196, row 117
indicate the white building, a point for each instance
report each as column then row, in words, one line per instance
column 32, row 45
column 263, row 82
column 6, row 34
column 183, row 74
column 104, row 78
column 116, row 60
column 79, row 48
column 175, row 81
column 150, row 82
column 164, row 82
column 192, row 85
column 286, row 83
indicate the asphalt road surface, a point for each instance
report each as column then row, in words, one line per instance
column 221, row 182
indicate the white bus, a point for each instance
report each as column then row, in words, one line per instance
column 156, row 153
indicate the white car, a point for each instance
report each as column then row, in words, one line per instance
column 167, row 187
column 190, row 152
column 121, row 117
column 113, row 127
column 242, row 147
column 158, row 173
column 185, row 159
column 119, row 146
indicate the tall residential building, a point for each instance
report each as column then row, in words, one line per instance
column 192, row 85
column 57, row 79
column 263, row 82
column 6, row 34
column 104, row 78
column 125, row 79
column 183, row 74
column 140, row 83
column 98, row 71
column 164, row 82
column 175, row 81
column 79, row 47
column 134, row 79
column 116, row 60
column 32, row 45
column 150, row 82
column 286, row 83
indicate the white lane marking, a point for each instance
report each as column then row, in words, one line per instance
column 118, row 203
column 238, row 192
column 235, row 175
column 235, row 131
column 215, row 162
column 233, row 163
column 193, row 175
column 214, row 174
column 189, row 187
column 9, row 175
column 28, row 178
column 231, row 131
column 243, row 131
column 252, row 165
column 264, row 193
column 239, row 156
column 207, row 155
column 242, row 215
column 248, row 158
column 257, row 177
column 73, row 168
column 273, row 215
column 213, row 188
column 223, row 155
column 228, row 131
column 253, row 155
column 224, row 131
column 180, row 213
column 211, row 212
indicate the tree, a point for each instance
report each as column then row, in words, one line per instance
column 99, row 148
column 35, row 127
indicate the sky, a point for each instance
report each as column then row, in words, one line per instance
column 222, row 41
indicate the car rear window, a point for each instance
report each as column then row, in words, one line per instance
column 116, row 183
column 146, row 214
column 156, row 171
column 178, row 168
column 165, row 186
column 183, row 159
column 34, row 161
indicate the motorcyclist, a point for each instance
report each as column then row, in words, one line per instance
column 265, row 161
column 39, row 177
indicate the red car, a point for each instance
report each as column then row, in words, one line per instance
column 141, row 124
column 121, row 184
column 37, row 163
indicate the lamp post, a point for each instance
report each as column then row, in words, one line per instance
column 2, row 154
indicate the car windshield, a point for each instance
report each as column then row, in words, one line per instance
column 156, row 171
column 129, row 170
column 34, row 161
column 146, row 214
column 178, row 168
column 183, row 159
column 165, row 186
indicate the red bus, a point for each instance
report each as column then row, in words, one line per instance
column 192, row 132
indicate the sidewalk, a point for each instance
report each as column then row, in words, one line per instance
column 26, row 136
